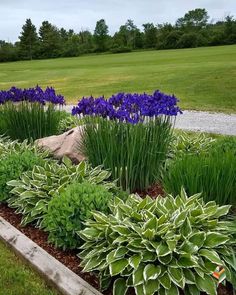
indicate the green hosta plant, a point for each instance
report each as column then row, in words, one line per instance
column 67, row 213
column 31, row 194
column 68, row 123
column 159, row 246
column 194, row 144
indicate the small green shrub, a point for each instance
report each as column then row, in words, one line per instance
column 195, row 144
column 30, row 195
column 67, row 212
column 13, row 165
column 212, row 173
column 159, row 246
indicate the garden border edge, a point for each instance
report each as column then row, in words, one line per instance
column 53, row 271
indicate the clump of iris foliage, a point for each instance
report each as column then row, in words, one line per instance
column 210, row 170
column 129, row 134
column 29, row 113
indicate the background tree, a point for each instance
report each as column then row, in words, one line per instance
column 196, row 18
column 150, row 35
column 101, row 35
column 28, row 44
column 50, row 40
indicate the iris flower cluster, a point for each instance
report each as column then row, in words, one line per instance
column 36, row 94
column 127, row 107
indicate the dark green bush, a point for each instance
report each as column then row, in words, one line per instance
column 120, row 49
column 13, row 165
column 67, row 212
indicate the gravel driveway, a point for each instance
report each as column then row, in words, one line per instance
column 203, row 121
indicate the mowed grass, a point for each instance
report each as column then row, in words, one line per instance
column 18, row 279
column 203, row 78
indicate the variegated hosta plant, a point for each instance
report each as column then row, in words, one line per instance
column 32, row 193
column 159, row 246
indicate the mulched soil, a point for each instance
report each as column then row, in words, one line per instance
column 69, row 258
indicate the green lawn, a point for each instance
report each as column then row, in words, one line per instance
column 18, row 279
column 203, row 78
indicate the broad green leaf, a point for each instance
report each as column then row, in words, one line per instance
column 162, row 249
column 165, row 281
column 198, row 239
column 207, row 284
column 172, row 291
column 186, row 228
column 187, row 261
column 135, row 260
column 214, row 239
column 211, row 255
column 150, row 287
column 151, row 272
column 138, row 276
column 221, row 211
column 118, row 266
column 119, row 287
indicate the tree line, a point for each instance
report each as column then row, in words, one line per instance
column 192, row 30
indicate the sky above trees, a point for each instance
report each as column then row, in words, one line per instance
column 83, row 14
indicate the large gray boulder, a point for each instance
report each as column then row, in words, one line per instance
column 65, row 144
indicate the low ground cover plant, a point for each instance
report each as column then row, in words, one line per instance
column 29, row 113
column 31, row 193
column 213, row 172
column 129, row 134
column 163, row 245
column 67, row 213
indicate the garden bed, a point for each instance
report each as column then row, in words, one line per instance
column 69, row 257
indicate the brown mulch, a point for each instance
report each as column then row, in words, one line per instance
column 69, row 257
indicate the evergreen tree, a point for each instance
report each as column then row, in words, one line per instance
column 101, row 35
column 28, row 40
column 51, row 42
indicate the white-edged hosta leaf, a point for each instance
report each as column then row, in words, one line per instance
column 135, row 260
column 214, row 239
column 119, row 287
column 207, row 284
column 172, row 291
column 221, row 211
column 151, row 272
column 118, row 266
column 150, row 287
column 165, row 281
column 211, row 255
column 138, row 278
column 197, row 239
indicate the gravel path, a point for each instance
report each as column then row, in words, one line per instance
column 203, row 121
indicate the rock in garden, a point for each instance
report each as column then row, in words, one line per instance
column 65, row 144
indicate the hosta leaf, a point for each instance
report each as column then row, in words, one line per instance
column 117, row 266
column 186, row 228
column 92, row 263
column 189, row 276
column 139, row 289
column 138, row 276
column 211, row 255
column 104, row 282
column 122, row 230
column 151, row 272
column 119, row 287
column 172, row 291
column 180, row 218
column 162, row 249
column 198, row 239
column 135, row 260
column 149, row 234
column 165, row 281
column 192, row 290
column 150, row 287
column 214, row 239
column 206, row 284
column 176, row 274
column 221, row 211
column 187, row 261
